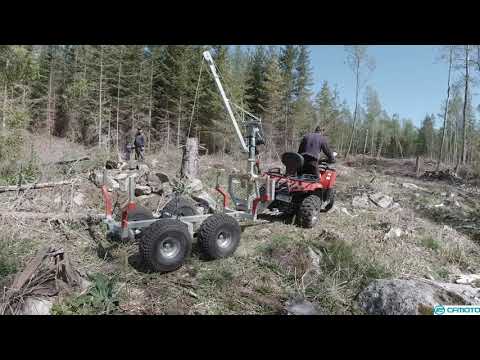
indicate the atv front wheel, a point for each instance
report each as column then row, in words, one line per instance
column 329, row 197
column 219, row 236
column 309, row 211
column 165, row 245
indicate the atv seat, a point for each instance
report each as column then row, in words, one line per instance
column 293, row 163
column 294, row 167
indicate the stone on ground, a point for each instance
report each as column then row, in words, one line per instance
column 413, row 297
column 36, row 306
column 381, row 200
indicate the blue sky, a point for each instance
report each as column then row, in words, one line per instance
column 409, row 79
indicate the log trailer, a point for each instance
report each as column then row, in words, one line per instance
column 166, row 241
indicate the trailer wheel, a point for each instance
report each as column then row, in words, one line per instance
column 179, row 206
column 219, row 236
column 165, row 245
column 139, row 213
column 309, row 211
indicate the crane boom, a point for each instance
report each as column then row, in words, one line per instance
column 208, row 58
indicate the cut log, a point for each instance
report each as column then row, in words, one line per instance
column 27, row 215
column 65, row 162
column 33, row 186
column 190, row 159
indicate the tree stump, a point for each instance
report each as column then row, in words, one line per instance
column 419, row 166
column 189, row 167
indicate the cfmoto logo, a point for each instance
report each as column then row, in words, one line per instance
column 439, row 310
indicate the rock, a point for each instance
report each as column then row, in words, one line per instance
column 439, row 205
column 393, row 233
column 395, row 205
column 37, row 306
column 361, row 202
column 443, row 194
column 315, row 257
column 164, row 178
column 264, row 233
column 381, row 200
column 469, row 279
column 413, row 187
column 111, row 164
column 345, row 211
column 120, row 176
column 194, row 185
column 302, row 307
column 142, row 190
column 143, row 169
column 204, row 197
column 413, row 297
column 156, row 187
column 79, row 199
column 97, row 178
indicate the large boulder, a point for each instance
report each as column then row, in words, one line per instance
column 413, row 297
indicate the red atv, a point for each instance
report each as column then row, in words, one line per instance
column 303, row 195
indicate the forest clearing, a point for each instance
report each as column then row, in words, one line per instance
column 400, row 234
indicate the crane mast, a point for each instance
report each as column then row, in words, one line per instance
column 208, row 58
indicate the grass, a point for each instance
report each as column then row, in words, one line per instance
column 430, row 243
column 100, row 299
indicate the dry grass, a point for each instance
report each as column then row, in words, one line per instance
column 270, row 267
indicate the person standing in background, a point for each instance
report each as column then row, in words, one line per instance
column 139, row 145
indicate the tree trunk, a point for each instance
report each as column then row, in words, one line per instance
column 190, row 159
column 100, row 99
column 118, row 100
column 365, row 143
column 464, row 116
column 445, row 115
column 179, row 122
column 357, row 85
column 150, row 110
column 4, row 111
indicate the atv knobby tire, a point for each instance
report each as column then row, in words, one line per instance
column 165, row 245
column 180, row 206
column 309, row 211
column 329, row 196
column 219, row 236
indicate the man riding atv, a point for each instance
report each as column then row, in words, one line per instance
column 311, row 147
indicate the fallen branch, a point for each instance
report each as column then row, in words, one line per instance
column 65, row 162
column 33, row 186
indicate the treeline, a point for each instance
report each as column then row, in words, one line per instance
column 98, row 94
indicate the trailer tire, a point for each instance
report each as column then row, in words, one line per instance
column 165, row 245
column 309, row 211
column 219, row 236
column 179, row 206
column 140, row 213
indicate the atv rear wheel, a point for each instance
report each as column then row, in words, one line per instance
column 219, row 236
column 165, row 245
column 179, row 206
column 309, row 211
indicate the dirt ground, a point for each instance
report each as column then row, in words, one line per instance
column 328, row 265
